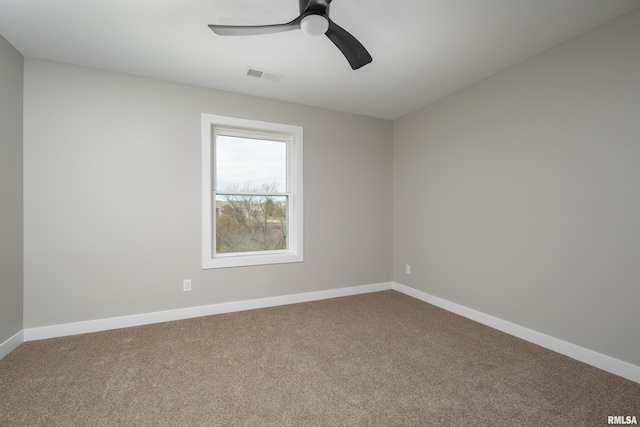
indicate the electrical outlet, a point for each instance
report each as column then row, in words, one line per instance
column 407, row 269
column 186, row 285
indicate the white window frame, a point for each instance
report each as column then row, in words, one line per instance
column 295, row 227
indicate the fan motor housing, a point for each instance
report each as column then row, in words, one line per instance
column 314, row 25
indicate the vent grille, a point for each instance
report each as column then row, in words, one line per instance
column 252, row 72
column 263, row 75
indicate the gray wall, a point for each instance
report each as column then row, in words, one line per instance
column 11, row 260
column 112, row 197
column 520, row 195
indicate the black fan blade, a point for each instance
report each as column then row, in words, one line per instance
column 251, row 30
column 350, row 47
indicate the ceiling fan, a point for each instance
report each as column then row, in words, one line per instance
column 313, row 20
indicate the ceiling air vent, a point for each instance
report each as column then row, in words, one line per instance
column 262, row 74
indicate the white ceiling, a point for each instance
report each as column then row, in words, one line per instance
column 422, row 50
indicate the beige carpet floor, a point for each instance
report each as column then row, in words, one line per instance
column 381, row 359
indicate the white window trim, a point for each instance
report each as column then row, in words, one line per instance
column 295, row 215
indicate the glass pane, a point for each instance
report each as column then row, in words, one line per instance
column 250, row 165
column 250, row 223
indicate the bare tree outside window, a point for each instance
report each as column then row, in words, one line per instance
column 246, row 222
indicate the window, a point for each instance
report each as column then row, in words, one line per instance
column 251, row 192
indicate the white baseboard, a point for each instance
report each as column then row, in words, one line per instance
column 590, row 357
column 601, row 361
column 44, row 332
column 11, row 344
